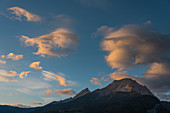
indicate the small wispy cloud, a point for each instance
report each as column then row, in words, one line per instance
column 48, row 99
column 18, row 14
column 48, row 92
column 7, row 73
column 36, row 103
column 24, row 90
column 2, row 62
column 32, row 83
column 67, row 92
column 7, row 76
column 7, row 79
column 35, row 65
column 24, row 74
column 10, row 94
column 52, row 76
column 19, row 105
column 95, row 81
column 12, row 56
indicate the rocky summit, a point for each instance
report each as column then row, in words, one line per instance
column 120, row 96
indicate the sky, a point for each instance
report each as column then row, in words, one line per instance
column 51, row 50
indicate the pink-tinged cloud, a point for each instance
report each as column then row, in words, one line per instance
column 12, row 73
column 67, row 92
column 10, row 94
column 19, row 13
column 36, row 103
column 36, row 65
column 2, row 62
column 105, row 79
column 52, row 76
column 24, row 74
column 8, row 73
column 7, row 79
column 48, row 92
column 12, row 56
column 95, row 81
column 59, row 43
column 19, row 105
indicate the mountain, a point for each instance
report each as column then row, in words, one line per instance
column 126, row 85
column 82, row 93
column 121, row 96
column 12, row 109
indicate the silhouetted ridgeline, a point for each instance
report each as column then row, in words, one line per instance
column 121, row 96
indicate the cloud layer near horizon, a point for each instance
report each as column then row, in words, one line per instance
column 61, row 42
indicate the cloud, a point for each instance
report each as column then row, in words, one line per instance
column 7, row 79
column 72, row 83
column 24, row 74
column 105, row 79
column 47, row 92
column 58, row 43
column 10, row 94
column 48, row 99
column 134, row 45
column 19, row 105
column 95, row 81
column 157, row 70
column 120, row 75
column 51, row 76
column 2, row 62
column 32, row 83
column 36, row 103
column 24, row 90
column 67, row 92
column 63, row 21
column 12, row 73
column 12, row 56
column 8, row 73
column 103, row 30
column 35, row 65
column 19, row 13
column 7, row 76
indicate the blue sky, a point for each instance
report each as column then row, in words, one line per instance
column 83, row 25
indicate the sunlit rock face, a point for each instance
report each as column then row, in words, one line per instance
column 126, row 85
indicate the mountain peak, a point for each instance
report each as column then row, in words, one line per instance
column 83, row 92
column 127, row 85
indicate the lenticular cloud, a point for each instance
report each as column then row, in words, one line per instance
column 132, row 45
column 58, row 43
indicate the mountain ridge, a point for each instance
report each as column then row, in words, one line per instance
column 120, row 96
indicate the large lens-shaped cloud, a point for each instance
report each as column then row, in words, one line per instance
column 58, row 43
